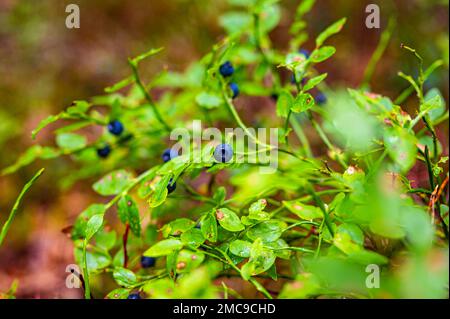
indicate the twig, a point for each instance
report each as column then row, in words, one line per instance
column 124, row 241
column 15, row 208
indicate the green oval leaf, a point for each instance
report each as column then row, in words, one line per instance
column 229, row 220
column 322, row 54
column 241, row 248
column 129, row 213
column 163, row 248
column 268, row 231
column 113, row 183
column 124, row 277
column 70, row 141
column 193, row 237
column 93, row 225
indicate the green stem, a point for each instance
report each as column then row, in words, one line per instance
column 381, row 47
column 429, row 168
column 321, row 205
column 301, row 136
column 15, row 208
column 253, row 281
column 147, row 96
column 238, row 120
column 87, row 287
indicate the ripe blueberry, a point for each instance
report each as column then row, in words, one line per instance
column 226, row 69
column 321, row 98
column 235, row 89
column 274, row 96
column 115, row 127
column 134, row 296
column 169, row 154
column 171, row 186
column 104, row 151
column 223, row 153
column 147, row 262
column 305, row 52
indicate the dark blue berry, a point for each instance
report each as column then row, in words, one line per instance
column 169, row 154
column 104, row 151
column 293, row 78
column 223, row 153
column 115, row 127
column 274, row 96
column 305, row 52
column 321, row 98
column 198, row 226
column 147, row 262
column 134, row 296
column 235, row 89
column 171, row 186
column 226, row 69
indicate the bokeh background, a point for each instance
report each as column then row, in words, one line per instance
column 44, row 67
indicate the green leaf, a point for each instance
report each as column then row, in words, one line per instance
column 307, row 212
column 113, row 183
column 331, row 30
column 124, row 277
column 256, row 210
column 257, row 206
column 344, row 242
column 159, row 193
column 105, row 239
column 193, row 237
column 313, row 82
column 15, row 208
column 280, row 248
column 128, row 212
column 229, row 220
column 163, row 248
column 354, row 232
column 78, row 108
column 366, row 257
column 401, row 147
column 209, row 227
column 303, row 102
column 241, row 248
column 96, row 259
column 119, row 85
column 220, row 195
column 34, row 152
column 434, row 104
column 209, row 100
column 322, row 54
column 188, row 260
column 235, row 22
column 268, row 231
column 284, row 103
column 177, row 227
column 270, row 17
column 79, row 228
column 44, row 123
column 261, row 259
column 145, row 55
column 93, row 225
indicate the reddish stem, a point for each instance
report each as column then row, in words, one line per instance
column 125, row 239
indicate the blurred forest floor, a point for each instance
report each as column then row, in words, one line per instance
column 44, row 67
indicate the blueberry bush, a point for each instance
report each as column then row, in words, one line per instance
column 340, row 220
